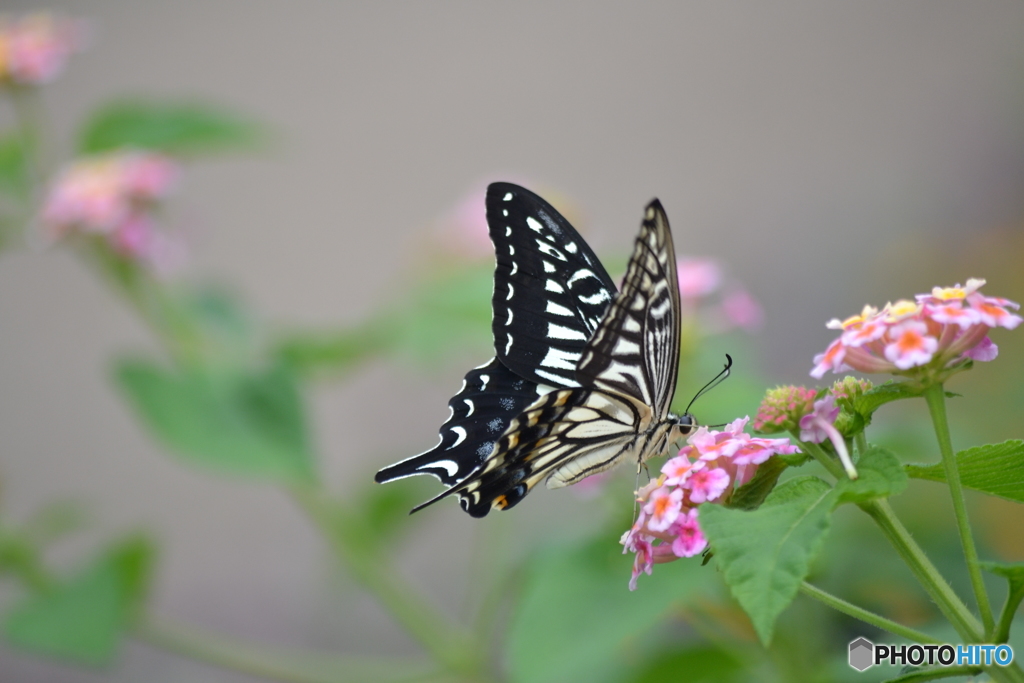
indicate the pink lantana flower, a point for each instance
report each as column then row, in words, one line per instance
column 925, row 338
column 689, row 539
column 113, row 196
column 782, row 408
column 819, row 425
column 708, row 469
column 34, row 48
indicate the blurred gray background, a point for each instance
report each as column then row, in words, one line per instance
column 823, row 151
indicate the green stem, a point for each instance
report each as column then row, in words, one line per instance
column 258, row 660
column 450, row 646
column 924, row 571
column 862, row 443
column 828, row 462
column 936, row 398
column 876, row 620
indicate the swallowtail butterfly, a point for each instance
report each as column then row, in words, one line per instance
column 583, row 376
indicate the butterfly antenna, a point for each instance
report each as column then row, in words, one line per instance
column 718, row 379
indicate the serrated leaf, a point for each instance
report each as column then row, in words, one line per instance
column 752, row 494
column 243, row 424
column 82, row 618
column 764, row 554
column 1014, row 574
column 172, row 127
column 880, row 475
column 577, row 618
column 995, row 469
column 873, row 399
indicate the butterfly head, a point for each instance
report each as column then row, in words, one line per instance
column 681, row 426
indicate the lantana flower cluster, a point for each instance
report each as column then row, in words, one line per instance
column 934, row 332
column 34, row 48
column 708, row 469
column 113, row 195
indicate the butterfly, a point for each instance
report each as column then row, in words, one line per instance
column 583, row 375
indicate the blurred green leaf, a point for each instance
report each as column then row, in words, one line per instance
column 752, row 494
column 173, row 127
column 242, row 424
column 577, row 619
column 385, row 509
column 764, row 554
column 1014, row 574
column 54, row 521
column 82, row 619
column 935, row 674
column 15, row 160
column 705, row 664
column 995, row 469
column 443, row 315
column 880, row 475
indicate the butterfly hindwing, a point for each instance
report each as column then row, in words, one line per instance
column 550, row 290
column 491, row 396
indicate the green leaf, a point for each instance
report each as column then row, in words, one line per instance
column 15, row 159
column 385, row 509
column 880, row 475
column 165, row 126
column 577, row 619
column 82, row 619
column 702, row 664
column 764, row 554
column 873, row 399
column 752, row 494
column 243, row 424
column 935, row 674
column 1014, row 574
column 995, row 469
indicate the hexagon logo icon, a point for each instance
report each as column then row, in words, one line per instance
column 862, row 654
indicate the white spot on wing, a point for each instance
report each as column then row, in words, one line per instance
column 563, row 360
column 580, row 274
column 511, row 250
column 459, row 432
column 552, row 286
column 469, row 402
column 546, row 248
column 571, row 247
column 549, row 267
column 557, row 309
column 508, row 345
column 504, row 212
column 596, row 298
column 515, row 268
column 534, row 224
column 508, row 229
column 509, row 321
column 507, row 197
column 624, row 346
column 484, row 379
column 561, row 381
column 509, row 292
column 567, row 333
column 448, row 465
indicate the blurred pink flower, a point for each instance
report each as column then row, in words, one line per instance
column 923, row 337
column 34, row 48
column 742, row 310
column 113, row 195
column 698, row 277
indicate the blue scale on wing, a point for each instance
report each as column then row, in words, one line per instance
column 491, row 396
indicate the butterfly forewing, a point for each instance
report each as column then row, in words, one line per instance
column 550, row 290
column 491, row 396
column 635, row 350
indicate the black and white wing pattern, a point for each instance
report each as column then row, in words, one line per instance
column 550, row 291
column 620, row 411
